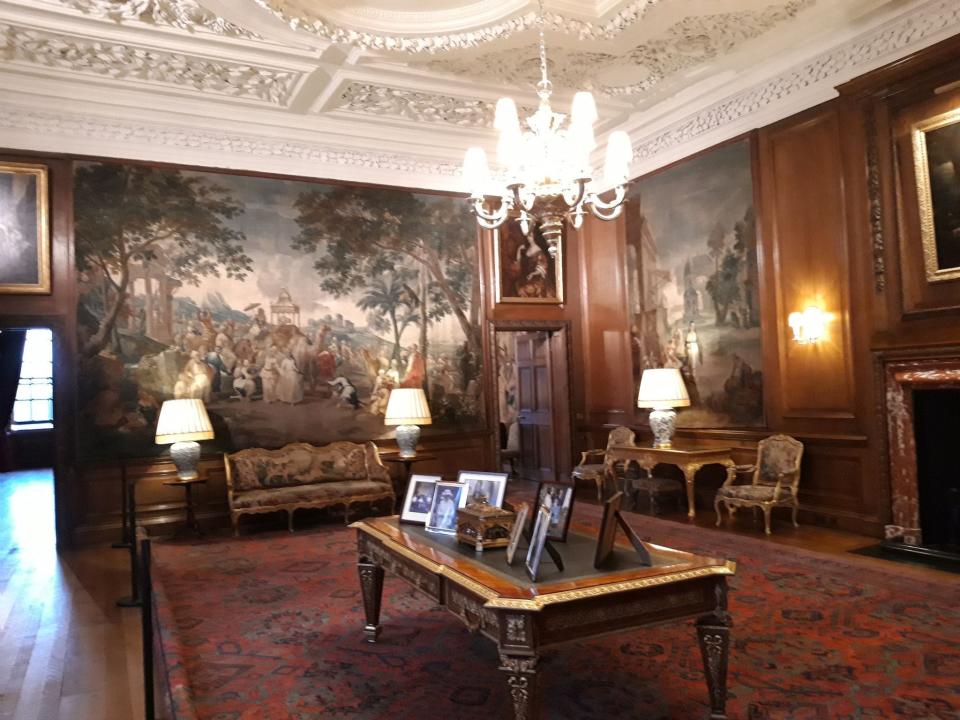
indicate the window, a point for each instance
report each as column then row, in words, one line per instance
column 33, row 407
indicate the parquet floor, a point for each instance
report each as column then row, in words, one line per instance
column 67, row 652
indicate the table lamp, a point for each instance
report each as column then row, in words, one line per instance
column 407, row 408
column 183, row 422
column 662, row 390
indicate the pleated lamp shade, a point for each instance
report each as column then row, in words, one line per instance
column 662, row 389
column 182, row 421
column 407, row 406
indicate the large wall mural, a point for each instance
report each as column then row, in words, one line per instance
column 694, row 284
column 291, row 308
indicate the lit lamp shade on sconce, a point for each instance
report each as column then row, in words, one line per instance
column 407, row 408
column 809, row 326
column 662, row 390
column 183, row 422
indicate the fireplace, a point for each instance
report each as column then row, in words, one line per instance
column 923, row 422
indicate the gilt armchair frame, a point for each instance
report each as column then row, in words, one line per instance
column 620, row 435
column 785, row 480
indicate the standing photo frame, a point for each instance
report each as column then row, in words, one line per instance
column 419, row 499
column 24, row 229
column 537, row 540
column 608, row 530
column 519, row 524
column 557, row 498
column 526, row 272
column 490, row 484
column 448, row 497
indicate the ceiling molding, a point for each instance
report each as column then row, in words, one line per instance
column 183, row 14
column 87, row 134
column 793, row 90
column 42, row 49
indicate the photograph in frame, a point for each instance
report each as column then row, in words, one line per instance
column 557, row 498
column 526, row 272
column 523, row 510
column 24, row 229
column 938, row 192
column 608, row 530
column 419, row 498
column 490, row 484
column 448, row 497
column 537, row 540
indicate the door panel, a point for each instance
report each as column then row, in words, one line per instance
column 535, row 405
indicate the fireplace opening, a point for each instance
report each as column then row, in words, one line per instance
column 937, row 433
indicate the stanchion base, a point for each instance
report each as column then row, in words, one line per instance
column 129, row 602
column 120, row 546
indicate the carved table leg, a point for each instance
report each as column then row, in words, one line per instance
column 713, row 632
column 523, row 683
column 689, row 473
column 371, row 586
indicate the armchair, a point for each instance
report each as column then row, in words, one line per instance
column 590, row 466
column 776, row 477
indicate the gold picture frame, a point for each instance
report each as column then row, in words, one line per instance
column 511, row 284
column 24, row 229
column 925, row 193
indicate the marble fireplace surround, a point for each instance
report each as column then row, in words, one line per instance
column 902, row 378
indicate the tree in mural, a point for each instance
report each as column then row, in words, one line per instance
column 357, row 238
column 394, row 306
column 128, row 214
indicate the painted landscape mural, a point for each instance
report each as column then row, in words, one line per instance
column 291, row 308
column 694, row 284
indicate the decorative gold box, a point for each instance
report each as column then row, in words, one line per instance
column 484, row 526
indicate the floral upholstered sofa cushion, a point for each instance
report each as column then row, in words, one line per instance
column 303, row 464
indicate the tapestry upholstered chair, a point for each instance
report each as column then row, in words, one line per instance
column 776, row 477
column 590, row 467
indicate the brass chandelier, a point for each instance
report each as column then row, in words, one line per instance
column 548, row 171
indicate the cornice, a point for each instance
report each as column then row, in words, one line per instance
column 182, row 14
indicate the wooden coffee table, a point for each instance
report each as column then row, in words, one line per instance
column 524, row 618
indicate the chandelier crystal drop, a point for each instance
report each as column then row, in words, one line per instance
column 549, row 176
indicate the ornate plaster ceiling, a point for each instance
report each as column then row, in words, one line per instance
column 393, row 90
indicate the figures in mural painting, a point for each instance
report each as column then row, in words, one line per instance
column 290, row 381
column 416, row 371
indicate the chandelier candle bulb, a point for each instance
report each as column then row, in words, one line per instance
column 476, row 172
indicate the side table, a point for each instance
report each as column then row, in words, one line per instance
column 408, row 463
column 187, row 485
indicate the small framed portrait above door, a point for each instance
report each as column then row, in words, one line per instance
column 24, row 231
column 527, row 272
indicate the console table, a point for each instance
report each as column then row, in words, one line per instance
column 524, row 618
column 689, row 460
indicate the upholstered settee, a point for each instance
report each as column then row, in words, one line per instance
column 305, row 476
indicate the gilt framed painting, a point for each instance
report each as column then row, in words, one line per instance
column 937, row 168
column 24, row 230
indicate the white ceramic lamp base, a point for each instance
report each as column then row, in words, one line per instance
column 185, row 456
column 663, row 423
column 407, row 438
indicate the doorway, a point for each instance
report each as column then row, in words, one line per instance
column 533, row 402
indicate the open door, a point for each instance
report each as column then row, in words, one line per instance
column 535, row 406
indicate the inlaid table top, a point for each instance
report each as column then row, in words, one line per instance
column 503, row 585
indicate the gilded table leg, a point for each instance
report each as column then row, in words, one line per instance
column 371, row 586
column 713, row 632
column 689, row 473
column 522, row 682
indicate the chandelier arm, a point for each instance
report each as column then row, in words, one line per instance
column 596, row 201
column 498, row 216
column 612, row 215
column 579, row 197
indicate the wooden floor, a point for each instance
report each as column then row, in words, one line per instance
column 67, row 652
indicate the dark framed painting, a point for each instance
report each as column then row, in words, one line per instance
column 694, row 284
column 557, row 498
column 291, row 308
column 526, row 271
column 936, row 157
column 24, row 229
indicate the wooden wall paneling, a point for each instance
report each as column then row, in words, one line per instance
column 57, row 312
column 804, row 219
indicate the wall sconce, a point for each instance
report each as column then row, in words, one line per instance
column 809, row 326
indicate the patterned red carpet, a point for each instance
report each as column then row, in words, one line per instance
column 268, row 627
